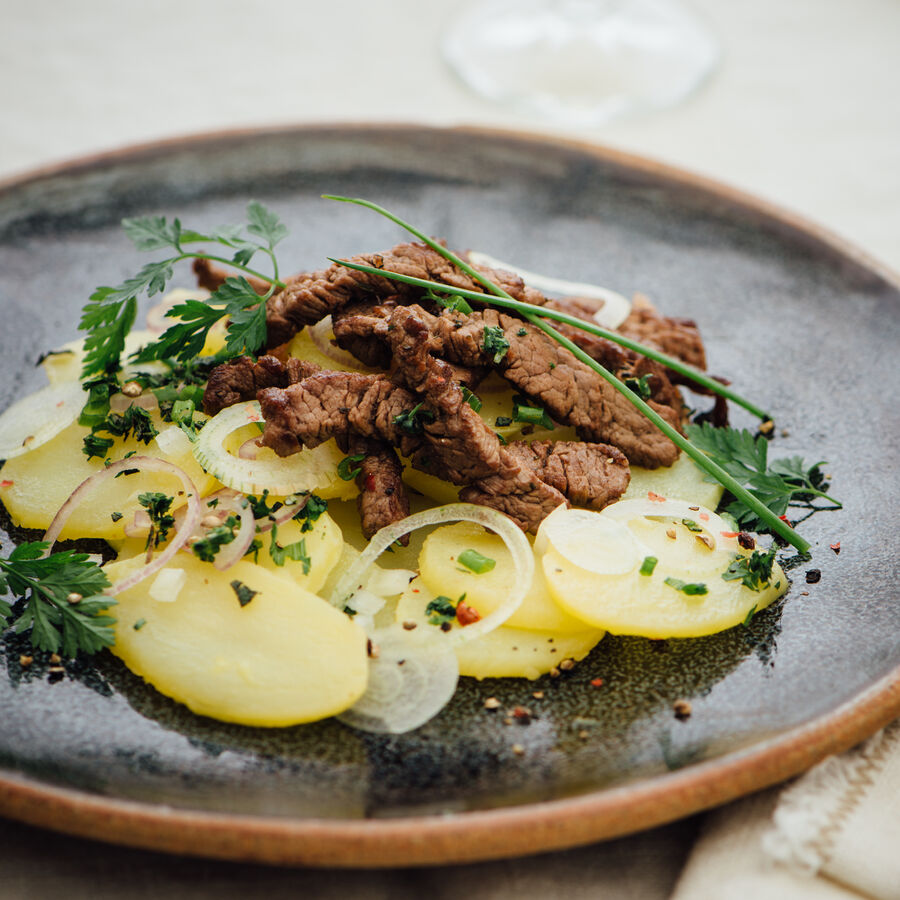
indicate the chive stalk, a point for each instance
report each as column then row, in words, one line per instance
column 534, row 315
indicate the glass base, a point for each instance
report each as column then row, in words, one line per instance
column 581, row 62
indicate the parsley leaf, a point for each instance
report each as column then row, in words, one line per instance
column 157, row 505
column 310, row 512
column 46, row 584
column 212, row 542
column 754, row 571
column 778, row 485
column 494, row 341
column 243, row 593
column 452, row 302
column 411, row 420
column 640, row 386
column 296, row 551
column 442, row 610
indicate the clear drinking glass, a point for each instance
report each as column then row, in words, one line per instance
column 581, row 62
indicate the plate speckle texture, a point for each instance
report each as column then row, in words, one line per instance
column 799, row 325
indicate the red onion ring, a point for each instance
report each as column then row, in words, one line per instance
column 187, row 527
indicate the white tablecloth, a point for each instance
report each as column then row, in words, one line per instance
column 803, row 111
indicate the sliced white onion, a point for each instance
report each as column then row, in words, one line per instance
column 677, row 510
column 322, row 335
column 139, row 524
column 234, row 551
column 167, row 585
column 296, row 474
column 389, row 582
column 520, row 550
column 172, row 441
column 187, row 526
column 410, row 682
column 615, row 307
column 40, row 416
column 590, row 541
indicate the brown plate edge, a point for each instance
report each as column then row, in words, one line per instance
column 477, row 835
column 457, row 837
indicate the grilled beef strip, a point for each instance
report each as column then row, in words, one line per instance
column 240, row 379
column 541, row 369
column 382, row 497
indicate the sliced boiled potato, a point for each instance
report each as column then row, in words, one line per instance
column 683, row 480
column 496, row 397
column 285, row 657
column 516, row 653
column 34, row 486
column 303, row 345
column 684, row 596
column 442, row 573
column 505, row 652
column 322, row 546
column 64, row 364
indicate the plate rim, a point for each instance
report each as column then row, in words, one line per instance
column 478, row 834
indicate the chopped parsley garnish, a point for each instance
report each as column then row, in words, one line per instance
column 476, row 561
column 522, row 332
column 412, row 420
column 310, row 512
column 345, row 468
column 691, row 525
column 260, row 505
column 495, row 342
column 157, row 505
column 691, row 588
column 648, row 565
column 139, row 624
column 442, row 610
column 473, row 400
column 242, row 592
column 296, row 551
column 749, row 616
column 753, row 571
column 115, row 516
column 63, row 603
column 502, row 422
column 94, row 445
column 212, row 542
column 777, row 485
column 639, row 386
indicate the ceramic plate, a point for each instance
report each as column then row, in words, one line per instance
column 804, row 325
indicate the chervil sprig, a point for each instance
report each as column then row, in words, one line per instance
column 64, row 604
column 109, row 314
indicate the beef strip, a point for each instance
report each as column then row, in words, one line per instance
column 241, row 379
column 676, row 337
column 566, row 388
column 382, row 497
column 314, row 296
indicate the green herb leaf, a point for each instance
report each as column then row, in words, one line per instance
column 157, row 505
column 476, row 561
column 45, row 583
column 242, row 592
column 296, row 551
column 212, row 542
column 310, row 512
column 411, row 420
column 452, row 302
column 470, row 398
column 640, row 386
column 442, row 610
column 494, row 341
column 754, row 571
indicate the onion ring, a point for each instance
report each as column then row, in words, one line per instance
column 185, row 529
column 520, row 550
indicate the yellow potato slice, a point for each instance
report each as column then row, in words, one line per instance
column 35, row 485
column 322, row 545
column 442, row 573
column 683, row 480
column 284, row 658
column 505, row 652
column 516, row 653
column 630, row 603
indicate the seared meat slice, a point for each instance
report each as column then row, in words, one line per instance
column 360, row 327
column 591, row 475
column 382, row 495
column 568, row 390
column 314, row 296
column 240, row 379
column 440, row 433
column 677, row 337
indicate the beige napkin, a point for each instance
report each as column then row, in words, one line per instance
column 834, row 834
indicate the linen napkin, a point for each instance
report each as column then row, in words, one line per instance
column 833, row 834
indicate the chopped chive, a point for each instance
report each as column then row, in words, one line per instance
column 476, row 561
column 691, row 588
column 648, row 565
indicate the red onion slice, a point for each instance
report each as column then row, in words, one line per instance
column 186, row 528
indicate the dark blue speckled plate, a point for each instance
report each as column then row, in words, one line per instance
column 806, row 326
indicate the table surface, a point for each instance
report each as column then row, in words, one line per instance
column 802, row 111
